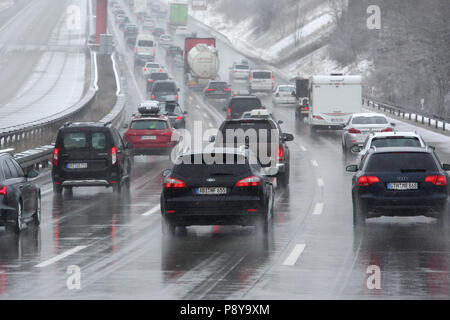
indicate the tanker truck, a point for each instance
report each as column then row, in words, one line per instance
column 201, row 62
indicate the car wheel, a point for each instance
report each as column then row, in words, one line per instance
column 168, row 228
column 57, row 189
column 17, row 226
column 37, row 213
column 359, row 213
column 117, row 187
column 283, row 179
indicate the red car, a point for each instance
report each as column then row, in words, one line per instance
column 150, row 133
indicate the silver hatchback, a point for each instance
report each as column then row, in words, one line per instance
column 360, row 125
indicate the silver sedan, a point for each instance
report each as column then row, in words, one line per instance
column 360, row 125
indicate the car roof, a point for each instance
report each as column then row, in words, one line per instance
column 400, row 149
column 147, row 103
column 164, row 81
column 368, row 114
column 245, row 97
column 260, row 70
column 395, row 133
column 71, row 125
column 227, row 150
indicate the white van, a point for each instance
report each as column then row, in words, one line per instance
column 145, row 49
column 333, row 99
column 261, row 80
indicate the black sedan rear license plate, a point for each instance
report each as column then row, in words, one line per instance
column 403, row 186
column 211, row 190
column 77, row 165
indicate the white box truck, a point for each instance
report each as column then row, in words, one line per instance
column 333, row 99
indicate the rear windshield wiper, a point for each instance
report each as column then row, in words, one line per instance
column 413, row 170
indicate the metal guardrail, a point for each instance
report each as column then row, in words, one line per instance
column 430, row 120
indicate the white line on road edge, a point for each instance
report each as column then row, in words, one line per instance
column 60, row 257
column 190, row 98
column 46, row 191
column 318, row 209
column 295, row 254
column 151, row 211
column 314, row 163
column 11, row 20
column 211, row 124
column 303, row 148
column 197, row 106
column 320, row 182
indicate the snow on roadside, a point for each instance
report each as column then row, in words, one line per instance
column 6, row 4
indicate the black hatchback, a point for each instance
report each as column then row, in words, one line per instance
column 237, row 105
column 90, row 154
column 225, row 186
column 20, row 198
column 403, row 181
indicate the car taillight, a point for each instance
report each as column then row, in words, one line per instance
column 228, row 113
column 366, row 181
column 227, row 89
column 317, row 117
column 437, row 180
column 179, row 118
column 176, row 97
column 173, row 183
column 251, row 78
column 353, row 130
column 160, row 70
column 153, row 96
column 3, row 190
column 305, row 108
column 55, row 156
column 209, row 89
column 113, row 155
column 252, row 181
column 387, row 130
column 280, row 153
column 150, row 80
column 145, row 69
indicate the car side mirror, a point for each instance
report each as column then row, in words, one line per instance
column 293, row 93
column 185, row 112
column 166, row 173
column 129, row 145
column 280, row 121
column 125, row 126
column 212, row 139
column 32, row 174
column 288, row 137
column 352, row 168
column 393, row 124
column 356, row 149
column 178, row 89
column 446, row 167
column 432, row 147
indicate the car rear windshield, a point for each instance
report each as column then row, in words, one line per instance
column 170, row 108
column 241, row 67
column 369, row 120
column 221, row 164
column 239, row 106
column 149, row 125
column 262, row 129
column 396, row 142
column 401, row 162
column 262, row 75
column 80, row 140
column 159, row 76
column 152, row 65
column 164, row 87
column 145, row 43
column 218, row 85
column 286, row 88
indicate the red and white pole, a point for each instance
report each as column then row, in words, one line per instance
column 102, row 18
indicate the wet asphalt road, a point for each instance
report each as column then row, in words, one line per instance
column 312, row 251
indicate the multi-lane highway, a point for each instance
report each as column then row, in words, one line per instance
column 313, row 251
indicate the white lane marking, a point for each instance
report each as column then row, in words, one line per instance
column 46, row 191
column 190, row 98
column 11, row 20
column 314, row 163
column 206, row 115
column 210, row 124
column 60, row 256
column 295, row 254
column 303, row 148
column 320, row 182
column 318, row 209
column 151, row 211
column 197, row 106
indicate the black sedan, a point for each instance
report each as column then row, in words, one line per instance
column 225, row 186
column 20, row 198
column 175, row 113
column 402, row 181
column 217, row 90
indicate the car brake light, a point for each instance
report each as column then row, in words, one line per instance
column 387, row 130
column 305, row 108
column 227, row 89
column 437, row 180
column 113, row 155
column 317, row 117
column 209, row 89
column 3, row 190
column 179, row 118
column 251, row 78
column 55, row 156
column 150, row 80
column 228, row 113
column 153, row 96
column 173, row 183
column 353, row 130
column 252, row 181
column 176, row 97
column 280, row 153
column 365, row 181
column 145, row 69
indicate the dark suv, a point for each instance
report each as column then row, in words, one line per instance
column 237, row 105
column 90, row 154
column 165, row 90
column 270, row 145
column 20, row 198
column 400, row 181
